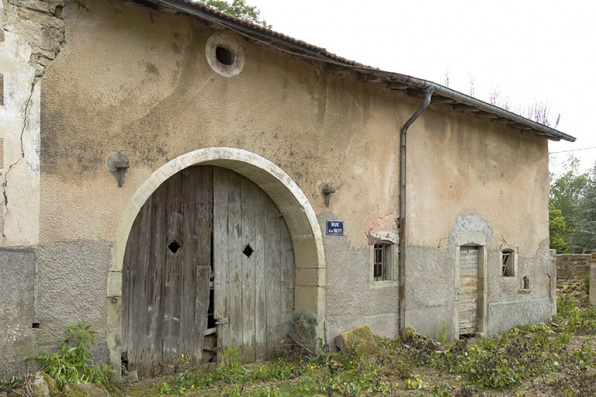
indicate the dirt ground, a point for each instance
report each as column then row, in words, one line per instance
column 422, row 380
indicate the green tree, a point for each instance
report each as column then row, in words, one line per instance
column 567, row 189
column 566, row 194
column 557, row 228
column 583, row 236
column 574, row 195
column 239, row 9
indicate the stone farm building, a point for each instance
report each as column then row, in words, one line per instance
column 169, row 173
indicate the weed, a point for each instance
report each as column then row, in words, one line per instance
column 576, row 320
column 501, row 362
column 165, row 388
column 11, row 384
column 73, row 362
column 541, row 327
column 233, row 372
column 440, row 391
column 415, row 384
column 443, row 332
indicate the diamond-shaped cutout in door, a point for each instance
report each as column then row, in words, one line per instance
column 248, row 251
column 174, row 246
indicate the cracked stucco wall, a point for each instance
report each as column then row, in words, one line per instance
column 136, row 79
column 32, row 36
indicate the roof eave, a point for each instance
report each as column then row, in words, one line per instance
column 511, row 119
column 534, row 127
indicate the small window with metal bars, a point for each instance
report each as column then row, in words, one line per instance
column 507, row 264
column 383, row 261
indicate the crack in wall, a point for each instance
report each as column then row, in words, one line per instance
column 40, row 26
column 5, row 183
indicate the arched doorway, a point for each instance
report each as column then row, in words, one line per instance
column 209, row 264
column 299, row 216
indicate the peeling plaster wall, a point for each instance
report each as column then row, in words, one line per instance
column 135, row 79
column 353, row 299
column 32, row 34
column 159, row 99
column 99, row 76
column 484, row 179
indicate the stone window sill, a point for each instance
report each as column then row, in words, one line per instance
column 384, row 284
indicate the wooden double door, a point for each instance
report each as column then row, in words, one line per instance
column 209, row 264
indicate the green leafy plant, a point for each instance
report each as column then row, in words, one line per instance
column 443, row 332
column 440, row 391
column 12, row 383
column 541, row 328
column 574, row 319
column 73, row 362
column 525, row 353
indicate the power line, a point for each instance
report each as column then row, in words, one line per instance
column 573, row 150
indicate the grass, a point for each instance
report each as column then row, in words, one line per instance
column 543, row 359
column 553, row 359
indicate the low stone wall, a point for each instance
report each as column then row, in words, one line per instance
column 574, row 267
column 593, row 280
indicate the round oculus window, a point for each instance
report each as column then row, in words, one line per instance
column 224, row 54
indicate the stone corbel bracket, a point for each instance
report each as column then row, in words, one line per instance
column 118, row 164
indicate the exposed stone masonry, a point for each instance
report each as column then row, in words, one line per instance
column 573, row 267
column 40, row 24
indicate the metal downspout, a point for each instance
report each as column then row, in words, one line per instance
column 428, row 92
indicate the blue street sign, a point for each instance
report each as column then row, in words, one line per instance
column 335, row 228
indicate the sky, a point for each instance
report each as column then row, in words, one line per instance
column 528, row 51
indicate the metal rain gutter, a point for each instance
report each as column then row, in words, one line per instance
column 428, row 92
column 478, row 104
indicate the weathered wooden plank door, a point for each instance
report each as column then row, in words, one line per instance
column 180, row 296
column 468, row 290
column 253, row 266
column 166, row 274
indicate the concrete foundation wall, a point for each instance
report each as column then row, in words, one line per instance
column 72, row 283
column 504, row 315
column 18, row 302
